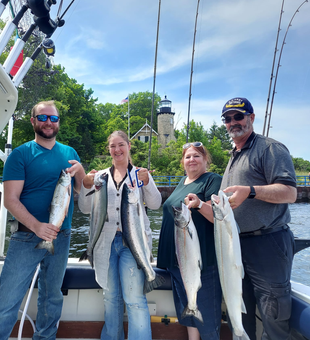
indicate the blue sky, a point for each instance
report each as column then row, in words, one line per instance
column 109, row 46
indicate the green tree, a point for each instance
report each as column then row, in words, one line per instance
column 221, row 134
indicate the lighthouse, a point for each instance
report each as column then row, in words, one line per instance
column 165, row 123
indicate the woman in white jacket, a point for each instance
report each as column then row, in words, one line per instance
column 115, row 267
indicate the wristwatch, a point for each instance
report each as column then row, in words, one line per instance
column 200, row 205
column 252, row 193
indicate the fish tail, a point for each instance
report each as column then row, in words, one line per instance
column 46, row 245
column 192, row 312
column 157, row 282
column 244, row 336
column 83, row 256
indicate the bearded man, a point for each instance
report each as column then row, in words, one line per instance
column 260, row 178
column 30, row 176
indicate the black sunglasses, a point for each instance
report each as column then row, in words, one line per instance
column 43, row 118
column 237, row 117
column 195, row 144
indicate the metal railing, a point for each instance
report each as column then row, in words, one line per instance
column 303, row 181
column 173, row 181
column 167, row 181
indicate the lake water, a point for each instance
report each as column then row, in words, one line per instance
column 300, row 225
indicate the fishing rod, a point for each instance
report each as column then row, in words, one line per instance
column 155, row 64
column 273, row 65
column 278, row 66
column 191, row 76
column 9, row 94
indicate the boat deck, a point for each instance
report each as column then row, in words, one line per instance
column 92, row 330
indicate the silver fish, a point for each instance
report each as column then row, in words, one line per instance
column 135, row 238
column 228, row 254
column 99, row 208
column 59, row 207
column 187, row 248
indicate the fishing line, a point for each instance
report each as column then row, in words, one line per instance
column 55, row 37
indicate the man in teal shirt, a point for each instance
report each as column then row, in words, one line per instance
column 30, row 176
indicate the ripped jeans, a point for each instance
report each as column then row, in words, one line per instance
column 125, row 283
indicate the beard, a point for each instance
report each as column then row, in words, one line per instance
column 238, row 130
column 37, row 129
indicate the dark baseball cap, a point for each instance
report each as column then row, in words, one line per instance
column 238, row 104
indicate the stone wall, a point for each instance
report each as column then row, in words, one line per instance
column 303, row 193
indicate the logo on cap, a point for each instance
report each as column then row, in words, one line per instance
column 238, row 104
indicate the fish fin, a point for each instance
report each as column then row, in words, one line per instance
column 238, row 228
column 46, row 245
column 190, row 233
column 125, row 243
column 240, row 269
column 149, row 286
column 243, row 309
column 190, row 312
column 91, row 192
column 242, row 272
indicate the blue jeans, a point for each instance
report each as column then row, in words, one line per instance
column 209, row 299
column 267, row 262
column 19, row 267
column 125, row 283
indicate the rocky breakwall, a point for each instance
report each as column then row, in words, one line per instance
column 165, row 192
column 303, row 194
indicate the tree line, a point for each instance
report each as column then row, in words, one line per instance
column 85, row 124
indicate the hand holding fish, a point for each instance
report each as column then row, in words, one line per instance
column 76, row 167
column 143, row 175
column 238, row 194
column 192, row 201
column 88, row 180
column 46, row 231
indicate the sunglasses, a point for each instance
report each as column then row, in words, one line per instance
column 195, row 144
column 237, row 117
column 43, row 118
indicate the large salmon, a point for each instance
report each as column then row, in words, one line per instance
column 98, row 215
column 187, row 249
column 135, row 238
column 59, row 207
column 228, row 254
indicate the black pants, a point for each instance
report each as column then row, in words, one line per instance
column 267, row 261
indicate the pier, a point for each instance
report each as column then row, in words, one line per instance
column 166, row 185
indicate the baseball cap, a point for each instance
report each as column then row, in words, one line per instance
column 238, row 104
